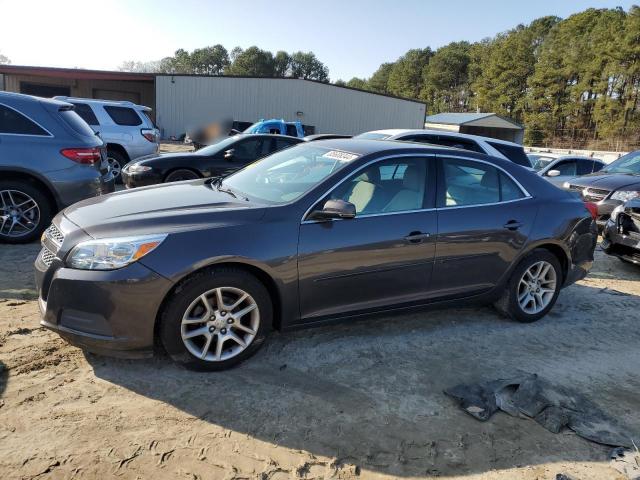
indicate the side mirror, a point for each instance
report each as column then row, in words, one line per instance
column 334, row 209
column 229, row 154
column 553, row 173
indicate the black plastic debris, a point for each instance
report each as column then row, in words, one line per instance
column 555, row 407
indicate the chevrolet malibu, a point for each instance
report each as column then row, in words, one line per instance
column 324, row 230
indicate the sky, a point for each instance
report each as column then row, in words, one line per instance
column 352, row 37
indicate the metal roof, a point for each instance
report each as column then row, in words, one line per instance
column 471, row 118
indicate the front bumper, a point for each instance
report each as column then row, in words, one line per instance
column 605, row 207
column 105, row 312
column 141, row 179
column 625, row 246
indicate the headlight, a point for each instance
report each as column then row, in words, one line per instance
column 624, row 195
column 112, row 253
column 137, row 168
column 616, row 211
column 566, row 185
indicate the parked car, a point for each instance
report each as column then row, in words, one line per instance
column 225, row 156
column 621, row 236
column 277, row 127
column 325, row 136
column 474, row 143
column 49, row 159
column 319, row 231
column 540, row 160
column 126, row 128
column 615, row 184
column 561, row 169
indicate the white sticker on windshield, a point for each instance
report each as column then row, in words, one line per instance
column 338, row 155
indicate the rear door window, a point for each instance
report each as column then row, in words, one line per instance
column 86, row 113
column 567, row 168
column 77, row 124
column 15, row 123
column 512, row 152
column 124, row 116
column 585, row 166
column 447, row 141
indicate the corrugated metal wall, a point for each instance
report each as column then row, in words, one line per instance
column 184, row 102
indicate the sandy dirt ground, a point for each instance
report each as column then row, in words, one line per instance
column 358, row 400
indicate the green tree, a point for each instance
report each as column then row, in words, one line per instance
column 446, row 79
column 306, row 65
column 209, row 60
column 4, row 60
column 379, row 81
column 253, row 62
column 356, row 82
column 406, row 75
column 281, row 64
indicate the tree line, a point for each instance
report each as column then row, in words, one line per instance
column 253, row 61
column 572, row 82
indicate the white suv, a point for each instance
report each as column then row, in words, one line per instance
column 126, row 129
column 475, row 143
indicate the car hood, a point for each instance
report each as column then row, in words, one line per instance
column 164, row 208
column 607, row 181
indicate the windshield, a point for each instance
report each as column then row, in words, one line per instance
column 373, row 136
column 218, row 145
column 288, row 174
column 540, row 162
column 629, row 163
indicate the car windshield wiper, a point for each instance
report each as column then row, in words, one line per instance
column 217, row 182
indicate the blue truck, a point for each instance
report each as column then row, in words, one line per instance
column 278, row 127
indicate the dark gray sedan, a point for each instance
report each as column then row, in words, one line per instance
column 320, row 231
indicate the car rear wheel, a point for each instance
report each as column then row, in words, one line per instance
column 24, row 212
column 216, row 319
column 182, row 174
column 533, row 288
column 116, row 162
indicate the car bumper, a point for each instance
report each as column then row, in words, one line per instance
column 142, row 179
column 105, row 312
column 87, row 186
column 605, row 207
column 621, row 245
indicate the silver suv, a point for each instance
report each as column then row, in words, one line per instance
column 49, row 159
column 126, row 128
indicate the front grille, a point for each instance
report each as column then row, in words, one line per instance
column 54, row 234
column 576, row 188
column 47, row 256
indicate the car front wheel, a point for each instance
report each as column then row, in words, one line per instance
column 533, row 287
column 216, row 319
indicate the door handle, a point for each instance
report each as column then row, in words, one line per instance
column 416, row 237
column 512, row 225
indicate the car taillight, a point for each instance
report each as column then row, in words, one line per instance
column 593, row 209
column 87, row 156
column 149, row 135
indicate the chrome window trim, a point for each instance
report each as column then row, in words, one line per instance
column 370, row 162
column 523, row 190
column 49, row 134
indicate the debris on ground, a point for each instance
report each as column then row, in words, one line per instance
column 626, row 461
column 552, row 406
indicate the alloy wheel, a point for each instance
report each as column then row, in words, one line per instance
column 537, row 287
column 220, row 324
column 115, row 167
column 19, row 213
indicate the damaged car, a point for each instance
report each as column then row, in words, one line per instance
column 325, row 230
column 621, row 236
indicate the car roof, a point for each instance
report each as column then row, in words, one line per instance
column 361, row 146
column 268, row 135
column 399, row 131
column 118, row 103
column 579, row 157
column 22, row 98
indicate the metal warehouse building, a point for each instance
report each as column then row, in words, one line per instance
column 181, row 102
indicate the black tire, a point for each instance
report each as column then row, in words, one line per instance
column 181, row 174
column 44, row 206
column 120, row 159
column 508, row 304
column 194, row 287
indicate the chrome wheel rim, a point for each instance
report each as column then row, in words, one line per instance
column 220, row 324
column 19, row 213
column 115, row 167
column 537, row 287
